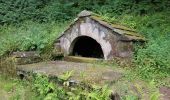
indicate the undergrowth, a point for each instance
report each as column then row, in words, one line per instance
column 49, row 90
column 15, row 89
column 41, row 87
column 29, row 36
column 152, row 60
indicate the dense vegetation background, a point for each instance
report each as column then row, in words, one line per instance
column 34, row 25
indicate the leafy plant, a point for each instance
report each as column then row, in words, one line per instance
column 100, row 94
column 66, row 75
column 130, row 97
column 42, row 85
column 50, row 91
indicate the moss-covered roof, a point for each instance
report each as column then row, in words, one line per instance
column 118, row 28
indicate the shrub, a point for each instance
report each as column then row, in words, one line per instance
column 30, row 36
column 50, row 91
column 16, row 11
column 153, row 60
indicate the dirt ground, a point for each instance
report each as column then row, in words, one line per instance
column 165, row 91
column 91, row 73
column 4, row 95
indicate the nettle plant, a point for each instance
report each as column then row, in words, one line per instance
column 46, row 89
column 54, row 91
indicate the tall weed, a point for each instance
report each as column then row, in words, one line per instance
column 30, row 36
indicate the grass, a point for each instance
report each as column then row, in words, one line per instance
column 29, row 36
column 14, row 89
column 41, row 88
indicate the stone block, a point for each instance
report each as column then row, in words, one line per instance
column 28, row 57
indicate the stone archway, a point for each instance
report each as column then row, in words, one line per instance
column 86, row 46
column 113, row 40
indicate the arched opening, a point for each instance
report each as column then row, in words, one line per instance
column 85, row 46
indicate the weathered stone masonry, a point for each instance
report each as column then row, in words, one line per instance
column 114, row 40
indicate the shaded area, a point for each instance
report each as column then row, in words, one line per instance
column 87, row 47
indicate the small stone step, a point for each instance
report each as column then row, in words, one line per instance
column 82, row 59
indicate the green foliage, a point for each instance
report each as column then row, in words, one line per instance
column 130, row 97
column 30, row 36
column 153, row 61
column 154, row 95
column 154, row 92
column 66, row 75
column 99, row 94
column 16, row 11
column 42, row 85
column 50, row 91
column 47, row 89
column 15, row 89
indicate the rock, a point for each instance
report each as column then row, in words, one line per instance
column 115, row 96
column 165, row 91
column 84, row 13
column 29, row 57
column 25, row 54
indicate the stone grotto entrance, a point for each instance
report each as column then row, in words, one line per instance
column 85, row 46
column 91, row 36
